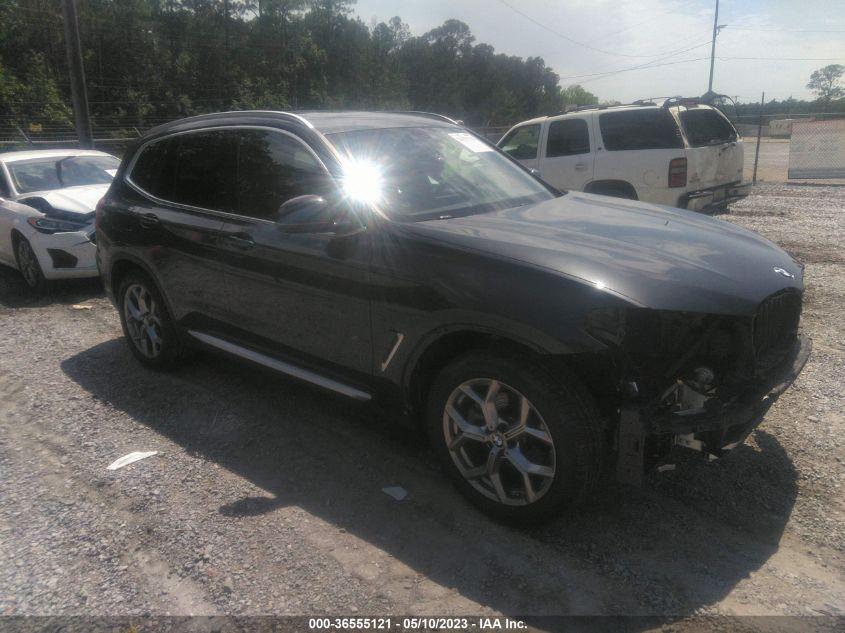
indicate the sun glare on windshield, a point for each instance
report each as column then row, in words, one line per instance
column 362, row 181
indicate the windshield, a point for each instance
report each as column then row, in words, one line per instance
column 432, row 172
column 44, row 174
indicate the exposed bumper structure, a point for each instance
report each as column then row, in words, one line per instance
column 707, row 200
column 713, row 431
column 68, row 255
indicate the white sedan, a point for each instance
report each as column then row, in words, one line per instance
column 47, row 206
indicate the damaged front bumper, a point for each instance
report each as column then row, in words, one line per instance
column 714, row 431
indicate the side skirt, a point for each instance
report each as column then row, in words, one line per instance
column 281, row 366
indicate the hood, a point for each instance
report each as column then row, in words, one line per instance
column 652, row 256
column 80, row 200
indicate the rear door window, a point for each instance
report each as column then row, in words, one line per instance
column 568, row 137
column 205, row 166
column 639, row 129
column 704, row 126
column 522, row 142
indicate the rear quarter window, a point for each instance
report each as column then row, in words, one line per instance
column 706, row 127
column 639, row 129
column 153, row 171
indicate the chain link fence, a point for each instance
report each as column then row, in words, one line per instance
column 817, row 149
column 821, row 143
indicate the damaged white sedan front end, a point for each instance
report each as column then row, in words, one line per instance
column 48, row 233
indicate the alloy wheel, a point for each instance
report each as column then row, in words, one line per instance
column 499, row 442
column 143, row 320
column 28, row 264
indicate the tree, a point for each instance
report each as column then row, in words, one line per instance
column 150, row 61
column 575, row 95
column 825, row 82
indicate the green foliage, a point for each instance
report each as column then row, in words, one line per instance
column 575, row 95
column 148, row 61
column 826, row 82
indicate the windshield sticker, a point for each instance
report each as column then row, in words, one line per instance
column 111, row 172
column 471, row 142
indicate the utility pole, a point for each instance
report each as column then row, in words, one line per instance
column 759, row 133
column 77, row 75
column 713, row 47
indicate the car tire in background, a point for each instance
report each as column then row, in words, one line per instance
column 29, row 267
column 148, row 326
column 519, row 440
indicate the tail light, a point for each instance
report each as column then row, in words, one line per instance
column 678, row 172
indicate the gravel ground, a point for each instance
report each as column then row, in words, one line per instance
column 265, row 496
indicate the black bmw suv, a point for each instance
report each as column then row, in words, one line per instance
column 540, row 338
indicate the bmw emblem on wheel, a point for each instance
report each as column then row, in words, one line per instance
column 784, row 272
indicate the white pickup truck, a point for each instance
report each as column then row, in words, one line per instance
column 680, row 153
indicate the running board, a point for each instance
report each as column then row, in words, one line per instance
column 281, row 366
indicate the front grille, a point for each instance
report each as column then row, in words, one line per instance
column 776, row 323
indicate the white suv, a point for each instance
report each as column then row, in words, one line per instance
column 680, row 153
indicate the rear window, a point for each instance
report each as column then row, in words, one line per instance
column 639, row 129
column 704, row 126
column 568, row 138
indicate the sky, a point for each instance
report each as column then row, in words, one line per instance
column 612, row 35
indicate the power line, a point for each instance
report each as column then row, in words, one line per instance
column 680, row 61
column 697, row 59
column 767, row 30
column 786, row 59
column 569, row 39
column 650, row 64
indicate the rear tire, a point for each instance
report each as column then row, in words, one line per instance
column 148, row 326
column 29, row 267
column 525, row 476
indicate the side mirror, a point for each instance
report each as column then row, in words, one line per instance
column 313, row 214
column 304, row 206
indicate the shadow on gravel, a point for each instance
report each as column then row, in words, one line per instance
column 14, row 293
column 678, row 544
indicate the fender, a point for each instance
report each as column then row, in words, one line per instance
column 503, row 329
column 123, row 257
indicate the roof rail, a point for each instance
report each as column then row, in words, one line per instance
column 581, row 108
column 678, row 101
column 292, row 116
column 601, row 106
column 433, row 115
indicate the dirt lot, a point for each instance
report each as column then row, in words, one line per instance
column 266, row 496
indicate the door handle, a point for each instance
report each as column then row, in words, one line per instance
column 580, row 167
column 148, row 220
column 241, row 241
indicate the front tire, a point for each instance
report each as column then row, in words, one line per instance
column 150, row 331
column 29, row 267
column 520, row 441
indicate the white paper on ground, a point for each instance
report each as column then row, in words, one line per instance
column 397, row 492
column 130, row 458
